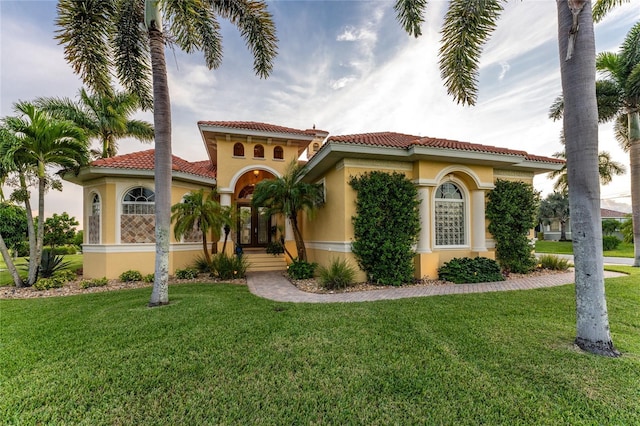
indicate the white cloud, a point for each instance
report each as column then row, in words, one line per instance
column 505, row 67
column 342, row 82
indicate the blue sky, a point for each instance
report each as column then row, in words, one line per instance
column 345, row 66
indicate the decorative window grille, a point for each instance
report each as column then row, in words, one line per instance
column 94, row 221
column 238, row 150
column 139, row 201
column 278, row 153
column 258, row 151
column 449, row 215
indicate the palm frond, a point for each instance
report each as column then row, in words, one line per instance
column 256, row 27
column 557, row 108
column 610, row 65
column 608, row 168
column 630, row 51
column 609, row 97
column 621, row 132
column 632, row 88
column 130, row 44
column 410, row 14
column 467, row 26
column 84, row 30
column 602, row 7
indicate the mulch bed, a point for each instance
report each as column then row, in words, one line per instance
column 313, row 286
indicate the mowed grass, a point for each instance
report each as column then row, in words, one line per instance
column 566, row 247
column 219, row 355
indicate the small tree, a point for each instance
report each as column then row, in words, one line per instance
column 13, row 225
column 511, row 210
column 60, row 229
column 627, row 230
column 197, row 212
column 386, row 227
column 556, row 207
column 609, row 226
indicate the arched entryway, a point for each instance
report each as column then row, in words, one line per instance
column 253, row 229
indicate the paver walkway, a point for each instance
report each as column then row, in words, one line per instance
column 274, row 286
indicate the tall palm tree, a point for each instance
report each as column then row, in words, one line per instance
column 40, row 142
column 622, row 71
column 467, row 26
column 200, row 212
column 129, row 37
column 288, row 195
column 104, row 117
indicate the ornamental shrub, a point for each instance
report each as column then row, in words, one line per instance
column 511, row 209
column 228, row 267
column 130, row 275
column 186, row 274
column 47, row 283
column 552, row 262
column 339, row 274
column 301, row 269
column 386, row 227
column 470, row 270
column 94, row 282
column 610, row 242
column 149, row 278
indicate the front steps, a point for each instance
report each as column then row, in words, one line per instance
column 259, row 261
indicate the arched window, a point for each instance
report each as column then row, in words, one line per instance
column 139, row 200
column 94, row 221
column 316, row 147
column 278, row 153
column 449, row 215
column 258, row 151
column 238, row 150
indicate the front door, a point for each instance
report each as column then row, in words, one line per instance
column 253, row 227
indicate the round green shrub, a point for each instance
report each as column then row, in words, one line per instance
column 610, row 242
column 130, row 275
column 301, row 269
column 470, row 270
column 186, row 274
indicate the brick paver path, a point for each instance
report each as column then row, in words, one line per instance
column 274, row 286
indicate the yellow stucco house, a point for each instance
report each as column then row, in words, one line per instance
column 452, row 177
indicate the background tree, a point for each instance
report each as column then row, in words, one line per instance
column 38, row 143
column 127, row 39
column 610, row 226
column 13, row 224
column 555, row 207
column 626, row 229
column 199, row 212
column 511, row 210
column 467, row 26
column 60, row 230
column 288, row 195
column 104, row 117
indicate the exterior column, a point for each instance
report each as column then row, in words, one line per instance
column 478, row 235
column 424, row 238
column 225, row 201
column 288, row 230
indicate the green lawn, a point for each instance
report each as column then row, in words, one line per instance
column 566, row 247
column 219, row 355
column 21, row 264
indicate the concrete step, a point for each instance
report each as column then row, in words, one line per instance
column 265, row 262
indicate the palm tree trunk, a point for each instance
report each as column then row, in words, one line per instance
column 205, row 247
column 10, row 265
column 634, row 165
column 297, row 235
column 162, row 176
column 563, row 230
column 581, row 133
column 42, row 183
column 33, row 264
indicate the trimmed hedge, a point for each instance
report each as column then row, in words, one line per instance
column 465, row 270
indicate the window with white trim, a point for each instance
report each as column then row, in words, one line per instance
column 139, row 200
column 450, row 215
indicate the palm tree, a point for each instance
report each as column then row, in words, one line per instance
column 622, row 72
column 39, row 142
column 104, row 117
column 467, row 26
column 555, row 206
column 288, row 195
column 607, row 168
column 6, row 256
column 128, row 37
column 197, row 212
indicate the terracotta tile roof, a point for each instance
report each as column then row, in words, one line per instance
column 401, row 140
column 611, row 213
column 144, row 160
column 252, row 125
